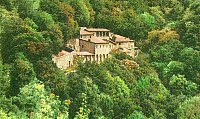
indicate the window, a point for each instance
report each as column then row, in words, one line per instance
column 107, row 33
column 82, row 46
column 100, row 34
column 104, row 33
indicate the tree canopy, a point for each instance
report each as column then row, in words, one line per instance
column 162, row 82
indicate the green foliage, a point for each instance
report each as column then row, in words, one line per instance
column 43, row 20
column 21, row 74
column 190, row 58
column 83, row 12
column 189, row 26
column 83, row 111
column 152, row 96
column 121, row 56
column 137, row 115
column 27, row 7
column 5, row 79
column 35, row 100
column 189, row 109
column 162, row 82
column 3, row 115
column 149, row 20
column 7, row 4
column 173, row 68
column 179, row 85
column 166, row 52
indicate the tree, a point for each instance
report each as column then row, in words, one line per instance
column 36, row 102
column 173, row 68
column 149, row 20
column 11, row 26
column 189, row 109
column 179, row 85
column 63, row 14
column 22, row 73
column 7, row 4
column 190, row 58
column 5, row 78
column 27, row 7
column 81, row 89
column 156, row 37
column 83, row 12
column 188, row 28
column 166, row 52
column 152, row 96
column 137, row 115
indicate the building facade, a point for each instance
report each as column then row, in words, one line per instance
column 96, row 44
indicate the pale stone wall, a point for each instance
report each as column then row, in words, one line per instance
column 132, row 45
column 64, row 61
column 74, row 44
column 86, row 36
column 87, row 46
column 123, row 45
column 102, row 51
column 102, row 48
column 129, row 45
column 103, row 35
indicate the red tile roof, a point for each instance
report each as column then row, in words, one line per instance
column 81, row 53
column 61, row 53
column 119, row 38
column 96, row 29
column 94, row 39
column 83, row 32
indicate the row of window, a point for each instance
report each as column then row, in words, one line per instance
column 103, row 46
column 102, row 34
column 100, row 46
column 86, row 36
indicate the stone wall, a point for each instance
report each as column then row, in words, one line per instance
column 129, row 45
column 103, row 48
column 86, row 36
column 103, row 35
column 74, row 44
column 63, row 62
column 86, row 46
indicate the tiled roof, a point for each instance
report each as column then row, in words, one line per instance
column 112, row 42
column 94, row 39
column 83, row 32
column 61, row 53
column 119, row 38
column 81, row 53
column 96, row 29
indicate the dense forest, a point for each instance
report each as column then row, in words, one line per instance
column 162, row 82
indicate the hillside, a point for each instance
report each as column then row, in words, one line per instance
column 162, row 82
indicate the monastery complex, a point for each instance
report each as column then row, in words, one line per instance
column 94, row 44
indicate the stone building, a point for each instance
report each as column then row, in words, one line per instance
column 96, row 44
column 123, row 42
column 63, row 59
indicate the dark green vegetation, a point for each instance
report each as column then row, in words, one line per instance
column 163, row 84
